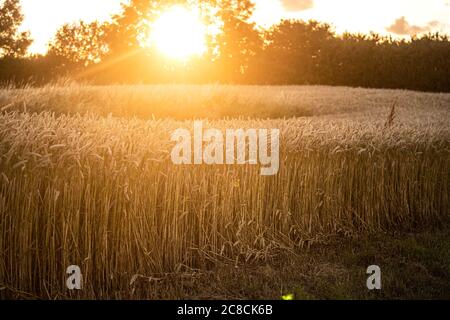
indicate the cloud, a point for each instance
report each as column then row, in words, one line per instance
column 297, row 5
column 434, row 24
column 402, row 27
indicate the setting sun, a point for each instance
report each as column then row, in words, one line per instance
column 179, row 33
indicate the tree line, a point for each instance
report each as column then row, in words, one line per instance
column 291, row 52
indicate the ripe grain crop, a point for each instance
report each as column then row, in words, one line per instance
column 99, row 191
column 217, row 101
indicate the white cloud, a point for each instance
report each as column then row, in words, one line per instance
column 402, row 27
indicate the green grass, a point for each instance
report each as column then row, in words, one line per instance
column 413, row 266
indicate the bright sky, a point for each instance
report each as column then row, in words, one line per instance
column 401, row 17
column 44, row 17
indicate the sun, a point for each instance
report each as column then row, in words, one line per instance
column 179, row 33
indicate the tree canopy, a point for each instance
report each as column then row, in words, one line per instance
column 291, row 52
column 12, row 42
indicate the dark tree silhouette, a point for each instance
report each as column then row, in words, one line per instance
column 239, row 43
column 292, row 52
column 295, row 51
column 80, row 43
column 12, row 42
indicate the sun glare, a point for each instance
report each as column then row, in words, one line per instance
column 179, row 33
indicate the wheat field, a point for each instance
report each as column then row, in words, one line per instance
column 86, row 179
